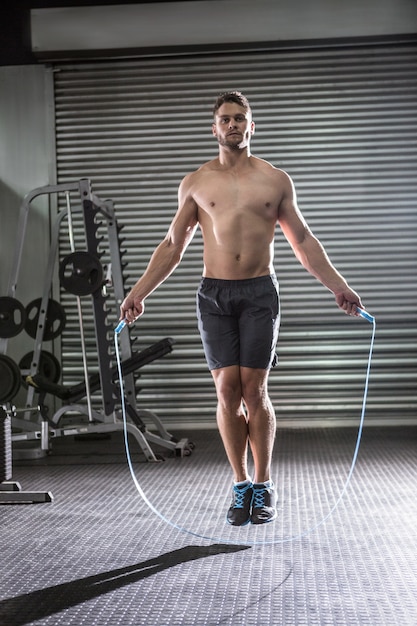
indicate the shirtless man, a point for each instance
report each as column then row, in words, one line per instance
column 237, row 200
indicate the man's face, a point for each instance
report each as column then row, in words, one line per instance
column 233, row 126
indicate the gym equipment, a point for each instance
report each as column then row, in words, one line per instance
column 10, row 379
column 5, row 447
column 71, row 395
column 78, row 391
column 81, row 273
column 367, row 316
column 48, row 367
column 54, row 321
column 12, row 317
column 12, row 491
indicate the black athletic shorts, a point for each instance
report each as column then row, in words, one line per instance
column 239, row 321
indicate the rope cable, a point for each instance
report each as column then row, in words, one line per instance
column 367, row 316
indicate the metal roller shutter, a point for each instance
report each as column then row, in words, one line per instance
column 342, row 122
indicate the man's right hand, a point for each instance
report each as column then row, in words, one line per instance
column 131, row 308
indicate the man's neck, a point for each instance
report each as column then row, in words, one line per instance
column 234, row 158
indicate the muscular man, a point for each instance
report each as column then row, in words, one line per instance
column 237, row 200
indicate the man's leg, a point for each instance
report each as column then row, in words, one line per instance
column 261, row 420
column 231, row 419
column 251, row 502
column 262, row 428
column 259, row 425
column 233, row 427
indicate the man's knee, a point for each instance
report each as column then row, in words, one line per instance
column 254, row 387
column 228, row 386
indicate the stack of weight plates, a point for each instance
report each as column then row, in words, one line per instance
column 5, row 447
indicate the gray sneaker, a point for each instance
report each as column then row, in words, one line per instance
column 263, row 504
column 239, row 511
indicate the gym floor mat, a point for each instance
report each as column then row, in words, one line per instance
column 97, row 556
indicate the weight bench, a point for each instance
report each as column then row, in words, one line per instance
column 78, row 391
column 72, row 394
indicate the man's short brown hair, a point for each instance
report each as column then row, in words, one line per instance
column 231, row 96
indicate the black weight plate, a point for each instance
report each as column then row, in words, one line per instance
column 12, row 317
column 81, row 273
column 9, row 378
column 48, row 366
column 54, row 321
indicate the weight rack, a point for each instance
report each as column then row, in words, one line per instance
column 81, row 274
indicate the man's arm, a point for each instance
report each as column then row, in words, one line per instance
column 310, row 252
column 166, row 256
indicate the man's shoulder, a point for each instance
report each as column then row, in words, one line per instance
column 207, row 167
column 200, row 172
column 268, row 167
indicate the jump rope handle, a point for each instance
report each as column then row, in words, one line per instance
column 365, row 315
column 120, row 327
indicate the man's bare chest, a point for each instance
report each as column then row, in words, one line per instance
column 238, row 195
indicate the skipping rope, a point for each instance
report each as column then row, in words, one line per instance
column 367, row 316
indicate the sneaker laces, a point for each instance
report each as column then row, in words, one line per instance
column 259, row 497
column 239, row 497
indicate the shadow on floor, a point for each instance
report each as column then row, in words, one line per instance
column 45, row 602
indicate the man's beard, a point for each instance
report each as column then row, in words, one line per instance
column 232, row 145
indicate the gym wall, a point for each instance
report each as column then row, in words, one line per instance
column 339, row 116
column 341, row 121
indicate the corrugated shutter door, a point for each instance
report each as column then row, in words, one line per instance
column 342, row 122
